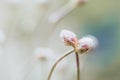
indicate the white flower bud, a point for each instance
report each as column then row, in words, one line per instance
column 87, row 44
column 44, row 54
column 68, row 37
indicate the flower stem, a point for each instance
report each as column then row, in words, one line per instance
column 77, row 64
column 53, row 67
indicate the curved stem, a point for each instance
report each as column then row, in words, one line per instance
column 77, row 64
column 53, row 67
column 57, row 16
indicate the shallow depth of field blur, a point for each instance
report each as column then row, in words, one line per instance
column 30, row 42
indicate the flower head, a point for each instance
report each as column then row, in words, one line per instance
column 82, row 1
column 87, row 44
column 69, row 38
column 78, row 2
column 44, row 54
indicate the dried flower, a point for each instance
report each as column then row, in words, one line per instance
column 87, row 44
column 69, row 38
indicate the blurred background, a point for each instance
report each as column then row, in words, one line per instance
column 30, row 42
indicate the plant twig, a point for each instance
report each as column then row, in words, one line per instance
column 77, row 64
column 53, row 67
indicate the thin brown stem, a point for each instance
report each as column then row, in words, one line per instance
column 61, row 58
column 78, row 65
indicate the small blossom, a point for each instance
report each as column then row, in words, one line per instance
column 82, row 1
column 78, row 2
column 87, row 44
column 44, row 54
column 69, row 38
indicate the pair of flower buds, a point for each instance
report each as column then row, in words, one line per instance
column 85, row 44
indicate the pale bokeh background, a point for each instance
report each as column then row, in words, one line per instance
column 24, row 27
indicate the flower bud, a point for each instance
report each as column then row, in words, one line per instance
column 69, row 38
column 87, row 44
column 79, row 2
column 44, row 54
column 82, row 1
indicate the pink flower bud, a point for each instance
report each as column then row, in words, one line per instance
column 79, row 2
column 82, row 1
column 87, row 44
column 69, row 38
